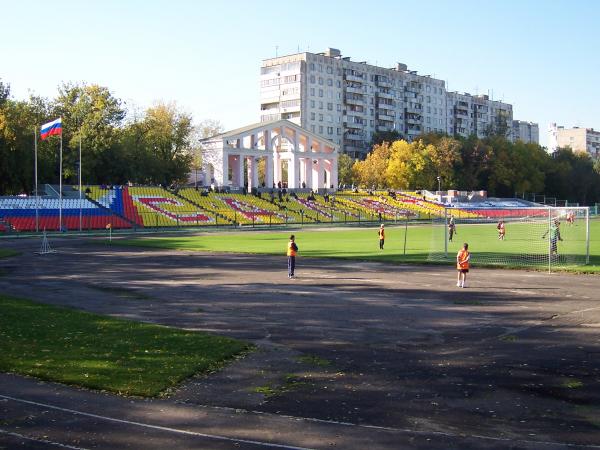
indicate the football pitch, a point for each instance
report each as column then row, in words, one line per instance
column 350, row 354
column 413, row 244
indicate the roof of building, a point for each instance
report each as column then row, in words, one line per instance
column 269, row 124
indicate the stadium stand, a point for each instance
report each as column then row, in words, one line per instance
column 156, row 207
column 20, row 214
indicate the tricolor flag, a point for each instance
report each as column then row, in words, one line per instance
column 53, row 128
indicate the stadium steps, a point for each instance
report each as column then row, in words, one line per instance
column 114, row 213
column 214, row 212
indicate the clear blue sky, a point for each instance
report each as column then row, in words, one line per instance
column 541, row 56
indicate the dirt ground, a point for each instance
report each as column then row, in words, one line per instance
column 350, row 354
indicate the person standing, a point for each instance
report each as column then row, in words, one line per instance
column 292, row 251
column 381, row 233
column 451, row 229
column 501, row 230
column 554, row 236
column 462, row 265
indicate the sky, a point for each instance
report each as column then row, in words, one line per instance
column 540, row 56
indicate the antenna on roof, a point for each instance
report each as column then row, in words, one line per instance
column 276, row 51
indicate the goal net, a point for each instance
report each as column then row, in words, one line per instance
column 537, row 237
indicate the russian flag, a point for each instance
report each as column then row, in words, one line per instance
column 53, row 128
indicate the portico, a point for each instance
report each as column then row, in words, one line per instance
column 288, row 154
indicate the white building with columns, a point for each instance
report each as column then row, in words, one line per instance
column 291, row 155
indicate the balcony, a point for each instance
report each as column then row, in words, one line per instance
column 461, row 112
column 354, row 78
column 355, row 90
column 384, row 84
column 354, row 101
column 413, row 109
column 354, row 137
column 352, row 112
column 413, row 120
column 384, row 128
column 384, row 95
column 354, row 125
column 386, row 106
column 385, row 117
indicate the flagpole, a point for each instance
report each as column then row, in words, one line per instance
column 37, row 216
column 60, row 187
column 80, row 218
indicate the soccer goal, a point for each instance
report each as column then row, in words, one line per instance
column 537, row 237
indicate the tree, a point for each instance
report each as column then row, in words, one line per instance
column 168, row 132
column 209, row 128
column 91, row 113
column 345, row 173
column 379, row 137
column 371, row 172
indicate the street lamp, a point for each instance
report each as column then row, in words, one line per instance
column 439, row 180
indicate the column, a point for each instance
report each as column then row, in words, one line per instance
column 293, row 172
column 320, row 169
column 241, row 171
column 308, row 169
column 334, row 172
column 254, row 168
column 269, row 170
column 222, row 178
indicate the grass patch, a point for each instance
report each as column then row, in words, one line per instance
column 120, row 292
column 99, row 352
column 5, row 253
column 467, row 302
column 291, row 382
column 520, row 248
column 314, row 361
column 572, row 384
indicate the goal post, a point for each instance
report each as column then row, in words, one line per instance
column 537, row 237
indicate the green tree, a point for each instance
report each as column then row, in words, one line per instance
column 91, row 113
column 345, row 172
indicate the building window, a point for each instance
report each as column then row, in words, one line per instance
column 372, row 123
column 329, row 82
column 312, row 128
column 339, row 83
column 339, row 131
column 329, row 106
column 320, row 105
column 312, row 103
column 312, row 116
column 320, row 92
column 321, row 81
column 339, row 107
column 320, row 117
column 312, row 91
column 312, row 79
column 329, row 69
column 320, row 129
column 329, row 130
column 329, row 118
column 312, row 66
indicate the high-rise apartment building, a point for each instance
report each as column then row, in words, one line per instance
column 348, row 101
column 527, row 132
column 578, row 139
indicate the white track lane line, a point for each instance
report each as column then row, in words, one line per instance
column 154, row 427
column 331, row 422
column 43, row 441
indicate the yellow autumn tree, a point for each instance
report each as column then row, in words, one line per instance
column 370, row 173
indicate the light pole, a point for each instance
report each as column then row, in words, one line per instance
column 439, row 180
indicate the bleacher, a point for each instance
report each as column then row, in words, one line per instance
column 157, row 207
column 20, row 214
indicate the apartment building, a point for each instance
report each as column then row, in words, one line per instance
column 527, row 132
column 578, row 139
column 347, row 101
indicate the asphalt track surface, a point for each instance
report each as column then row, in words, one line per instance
column 356, row 355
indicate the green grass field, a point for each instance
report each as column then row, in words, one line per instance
column 362, row 244
column 5, row 253
column 99, row 352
